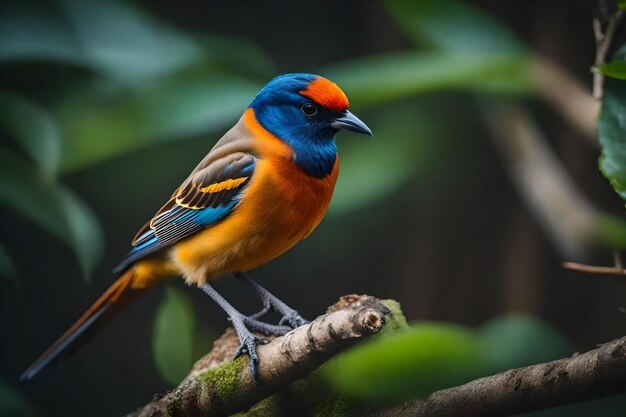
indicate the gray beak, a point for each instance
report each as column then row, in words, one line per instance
column 348, row 121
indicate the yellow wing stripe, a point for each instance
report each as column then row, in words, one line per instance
column 224, row 185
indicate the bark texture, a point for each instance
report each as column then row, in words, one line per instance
column 219, row 387
column 586, row 376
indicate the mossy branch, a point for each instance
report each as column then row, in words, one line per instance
column 292, row 384
column 218, row 386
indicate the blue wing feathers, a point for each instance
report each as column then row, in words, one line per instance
column 185, row 224
column 179, row 222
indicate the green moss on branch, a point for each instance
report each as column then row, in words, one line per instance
column 218, row 386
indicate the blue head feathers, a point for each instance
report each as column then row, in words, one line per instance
column 306, row 111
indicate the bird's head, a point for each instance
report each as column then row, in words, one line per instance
column 306, row 111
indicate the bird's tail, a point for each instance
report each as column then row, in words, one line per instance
column 120, row 294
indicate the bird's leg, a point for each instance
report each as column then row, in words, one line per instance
column 267, row 307
column 243, row 325
column 289, row 315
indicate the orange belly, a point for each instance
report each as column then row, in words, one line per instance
column 280, row 207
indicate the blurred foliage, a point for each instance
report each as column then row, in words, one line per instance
column 455, row 27
column 7, row 268
column 133, row 81
column 169, row 110
column 172, row 342
column 51, row 206
column 429, row 356
column 493, row 61
column 411, row 157
column 459, row 48
column 612, row 131
column 12, row 403
column 412, row 73
column 128, row 96
column 411, row 364
column 33, row 130
column 516, row 340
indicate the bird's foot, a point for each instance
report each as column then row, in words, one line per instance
column 265, row 328
column 244, row 326
column 248, row 343
column 293, row 319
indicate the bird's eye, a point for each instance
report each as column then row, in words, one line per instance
column 309, row 109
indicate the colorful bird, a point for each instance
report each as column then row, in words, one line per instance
column 263, row 187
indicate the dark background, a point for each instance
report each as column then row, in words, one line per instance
column 455, row 242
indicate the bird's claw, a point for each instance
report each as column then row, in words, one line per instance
column 293, row 320
column 248, row 345
column 265, row 328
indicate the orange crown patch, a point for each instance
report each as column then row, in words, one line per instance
column 327, row 94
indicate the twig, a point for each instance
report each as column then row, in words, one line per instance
column 215, row 388
column 594, row 374
column 603, row 43
column 593, row 269
column 616, row 269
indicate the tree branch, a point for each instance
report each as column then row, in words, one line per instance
column 218, row 386
column 595, row 269
column 594, row 374
column 610, row 19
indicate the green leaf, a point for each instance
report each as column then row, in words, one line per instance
column 469, row 50
column 453, row 26
column 33, row 129
column 612, row 132
column 28, row 32
column 100, row 127
column 411, row 73
column 621, row 4
column 172, row 342
column 236, row 56
column 617, row 67
column 614, row 69
column 516, row 340
column 51, row 206
column 610, row 231
column 7, row 268
column 139, row 49
column 423, row 359
column 82, row 35
column 13, row 403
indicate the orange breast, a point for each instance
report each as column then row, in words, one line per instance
column 281, row 206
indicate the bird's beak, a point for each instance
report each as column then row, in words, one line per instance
column 348, row 121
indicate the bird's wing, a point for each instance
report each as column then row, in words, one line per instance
column 209, row 194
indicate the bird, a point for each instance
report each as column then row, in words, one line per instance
column 263, row 187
